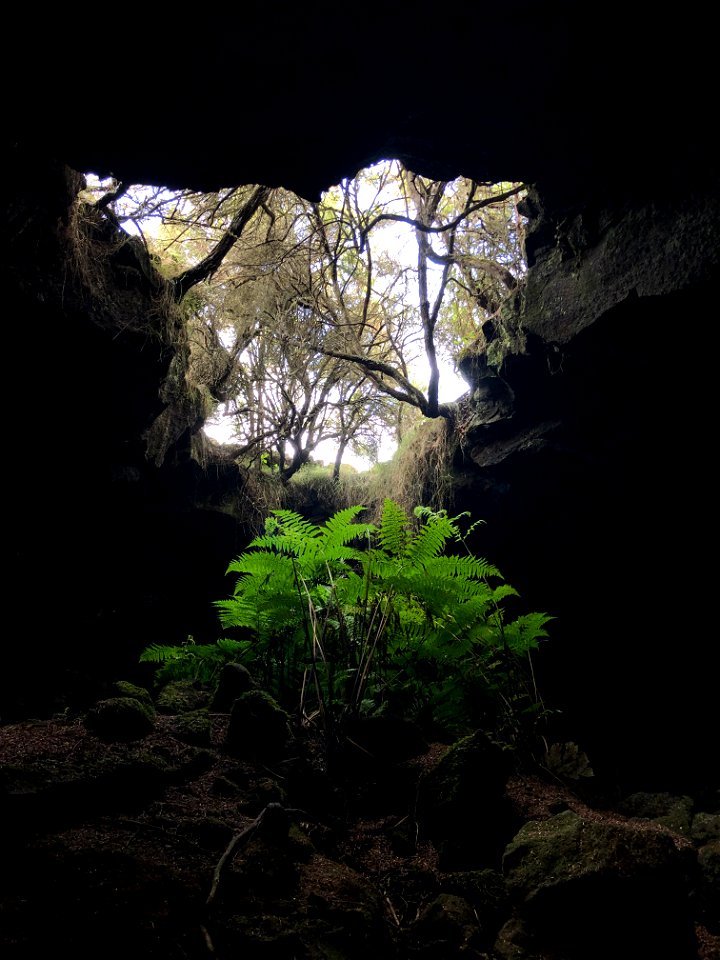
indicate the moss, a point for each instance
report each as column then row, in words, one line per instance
column 182, row 696
column 194, row 727
column 125, row 689
column 120, row 719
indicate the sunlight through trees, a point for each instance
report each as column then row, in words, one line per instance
column 330, row 325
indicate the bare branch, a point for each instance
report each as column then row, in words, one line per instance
column 111, row 197
column 425, row 228
column 207, row 267
column 376, row 367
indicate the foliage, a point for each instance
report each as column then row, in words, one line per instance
column 419, row 472
column 316, row 493
column 351, row 617
column 194, row 661
column 313, row 322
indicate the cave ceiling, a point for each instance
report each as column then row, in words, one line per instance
column 580, row 98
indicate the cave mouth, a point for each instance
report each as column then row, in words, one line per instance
column 321, row 331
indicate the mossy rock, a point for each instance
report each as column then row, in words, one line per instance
column 585, row 886
column 259, row 794
column 708, row 893
column 258, row 727
column 485, row 890
column 473, row 769
column 120, row 719
column 182, row 696
column 672, row 812
column 125, row 689
column 344, row 898
column 194, row 728
column 235, row 680
column 447, row 926
column 705, row 828
column 462, row 806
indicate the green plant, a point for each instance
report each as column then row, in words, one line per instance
column 350, row 617
column 419, row 472
column 194, row 661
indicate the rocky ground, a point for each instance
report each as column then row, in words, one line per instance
column 157, row 831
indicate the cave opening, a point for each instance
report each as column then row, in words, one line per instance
column 324, row 331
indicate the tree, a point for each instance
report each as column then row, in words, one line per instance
column 309, row 319
column 291, row 395
column 373, row 311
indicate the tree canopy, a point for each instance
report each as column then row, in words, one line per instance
column 326, row 320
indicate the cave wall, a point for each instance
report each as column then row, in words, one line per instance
column 589, row 449
column 107, row 550
column 586, row 451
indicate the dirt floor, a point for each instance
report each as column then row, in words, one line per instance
column 160, row 848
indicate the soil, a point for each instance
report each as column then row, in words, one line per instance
column 183, row 864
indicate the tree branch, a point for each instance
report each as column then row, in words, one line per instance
column 378, row 367
column 207, row 266
column 111, row 197
column 425, row 228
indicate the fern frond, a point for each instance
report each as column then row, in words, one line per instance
column 274, row 543
column 234, row 613
column 341, row 528
column 268, row 615
column 504, row 590
column 465, row 568
column 292, row 524
column 159, row 653
column 187, row 661
column 431, row 539
column 349, row 589
column 234, row 647
column 525, row 632
column 262, row 566
column 393, row 533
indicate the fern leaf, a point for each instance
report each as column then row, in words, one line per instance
column 159, row 653
column 340, row 528
column 234, row 647
column 465, row 567
column 524, row 633
column 431, row 539
column 393, row 533
column 504, row 590
column 292, row 524
column 262, row 566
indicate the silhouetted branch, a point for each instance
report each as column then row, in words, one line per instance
column 207, row 266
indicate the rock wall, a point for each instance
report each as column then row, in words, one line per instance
column 591, row 464
column 107, row 549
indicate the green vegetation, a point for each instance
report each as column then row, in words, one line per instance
column 193, row 661
column 351, row 618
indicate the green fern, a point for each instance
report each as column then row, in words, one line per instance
column 347, row 617
column 193, row 661
column 353, row 608
column 394, row 532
